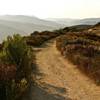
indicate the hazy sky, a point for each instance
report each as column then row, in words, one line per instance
column 51, row 8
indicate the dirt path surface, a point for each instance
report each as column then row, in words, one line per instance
column 61, row 79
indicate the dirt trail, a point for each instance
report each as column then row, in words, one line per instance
column 61, row 79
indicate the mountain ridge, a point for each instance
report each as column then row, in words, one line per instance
column 71, row 22
column 10, row 24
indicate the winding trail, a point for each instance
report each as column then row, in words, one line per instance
column 61, row 79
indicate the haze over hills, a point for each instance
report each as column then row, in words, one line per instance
column 29, row 19
column 71, row 22
column 10, row 24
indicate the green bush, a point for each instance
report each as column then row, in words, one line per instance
column 16, row 52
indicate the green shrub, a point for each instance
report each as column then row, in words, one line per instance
column 16, row 52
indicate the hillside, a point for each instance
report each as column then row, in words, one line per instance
column 83, row 50
column 29, row 19
column 57, row 76
column 95, row 29
column 55, row 65
column 23, row 25
column 69, row 64
column 71, row 22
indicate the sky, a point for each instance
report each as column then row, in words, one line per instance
column 51, row 8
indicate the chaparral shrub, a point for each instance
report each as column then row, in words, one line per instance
column 16, row 62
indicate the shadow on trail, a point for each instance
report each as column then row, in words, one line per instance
column 37, row 92
column 44, row 91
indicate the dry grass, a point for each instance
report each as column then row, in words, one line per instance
column 82, row 49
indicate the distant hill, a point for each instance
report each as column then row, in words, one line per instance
column 29, row 19
column 71, row 22
column 10, row 24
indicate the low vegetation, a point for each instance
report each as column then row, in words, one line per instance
column 38, row 38
column 17, row 57
column 83, row 50
column 16, row 63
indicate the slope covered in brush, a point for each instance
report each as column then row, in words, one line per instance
column 82, row 49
